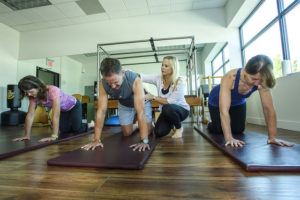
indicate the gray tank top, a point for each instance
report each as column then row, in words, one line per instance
column 125, row 93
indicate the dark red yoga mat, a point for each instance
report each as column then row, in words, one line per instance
column 9, row 148
column 115, row 154
column 257, row 155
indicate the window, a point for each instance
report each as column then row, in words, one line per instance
column 227, row 67
column 292, row 19
column 286, row 3
column 220, row 64
column 226, row 53
column 218, row 74
column 266, row 12
column 217, row 63
column 271, row 29
column 268, row 44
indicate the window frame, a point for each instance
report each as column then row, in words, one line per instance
column 224, row 62
column 280, row 18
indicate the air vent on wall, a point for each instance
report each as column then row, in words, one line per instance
column 90, row 54
column 24, row 4
column 175, row 47
column 90, row 7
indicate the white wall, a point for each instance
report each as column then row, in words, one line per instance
column 71, row 72
column 286, row 101
column 206, row 25
column 89, row 73
column 9, row 51
column 28, row 67
column 238, row 10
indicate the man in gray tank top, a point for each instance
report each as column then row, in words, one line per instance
column 126, row 86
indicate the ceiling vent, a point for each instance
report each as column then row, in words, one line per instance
column 25, row 4
column 90, row 7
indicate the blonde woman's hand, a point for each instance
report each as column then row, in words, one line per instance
column 149, row 97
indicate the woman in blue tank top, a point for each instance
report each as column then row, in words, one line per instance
column 227, row 101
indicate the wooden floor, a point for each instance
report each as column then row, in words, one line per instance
column 187, row 168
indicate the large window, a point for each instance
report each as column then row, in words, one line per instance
column 272, row 30
column 220, row 63
column 268, row 44
column 292, row 19
column 266, row 12
column 286, row 3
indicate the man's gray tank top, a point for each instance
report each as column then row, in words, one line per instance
column 125, row 93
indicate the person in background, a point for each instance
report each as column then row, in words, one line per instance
column 66, row 110
column 227, row 101
column 170, row 89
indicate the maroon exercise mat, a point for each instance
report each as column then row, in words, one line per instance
column 9, row 148
column 257, row 155
column 115, row 154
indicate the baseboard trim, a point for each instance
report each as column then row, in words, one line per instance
column 284, row 124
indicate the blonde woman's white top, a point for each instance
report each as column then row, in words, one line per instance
column 174, row 96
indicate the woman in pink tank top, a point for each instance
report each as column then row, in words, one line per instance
column 66, row 110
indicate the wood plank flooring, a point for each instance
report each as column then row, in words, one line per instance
column 187, row 168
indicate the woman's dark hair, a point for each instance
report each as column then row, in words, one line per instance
column 262, row 64
column 32, row 82
column 110, row 66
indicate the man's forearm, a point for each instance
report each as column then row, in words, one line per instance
column 143, row 125
column 99, row 125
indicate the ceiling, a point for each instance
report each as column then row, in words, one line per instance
column 59, row 13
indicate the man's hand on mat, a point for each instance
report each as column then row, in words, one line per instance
column 140, row 146
column 21, row 138
column 234, row 143
column 47, row 139
column 280, row 142
column 92, row 145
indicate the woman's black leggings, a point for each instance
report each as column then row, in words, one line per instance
column 71, row 121
column 237, row 119
column 170, row 116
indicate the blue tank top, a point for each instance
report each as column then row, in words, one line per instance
column 236, row 97
column 125, row 93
